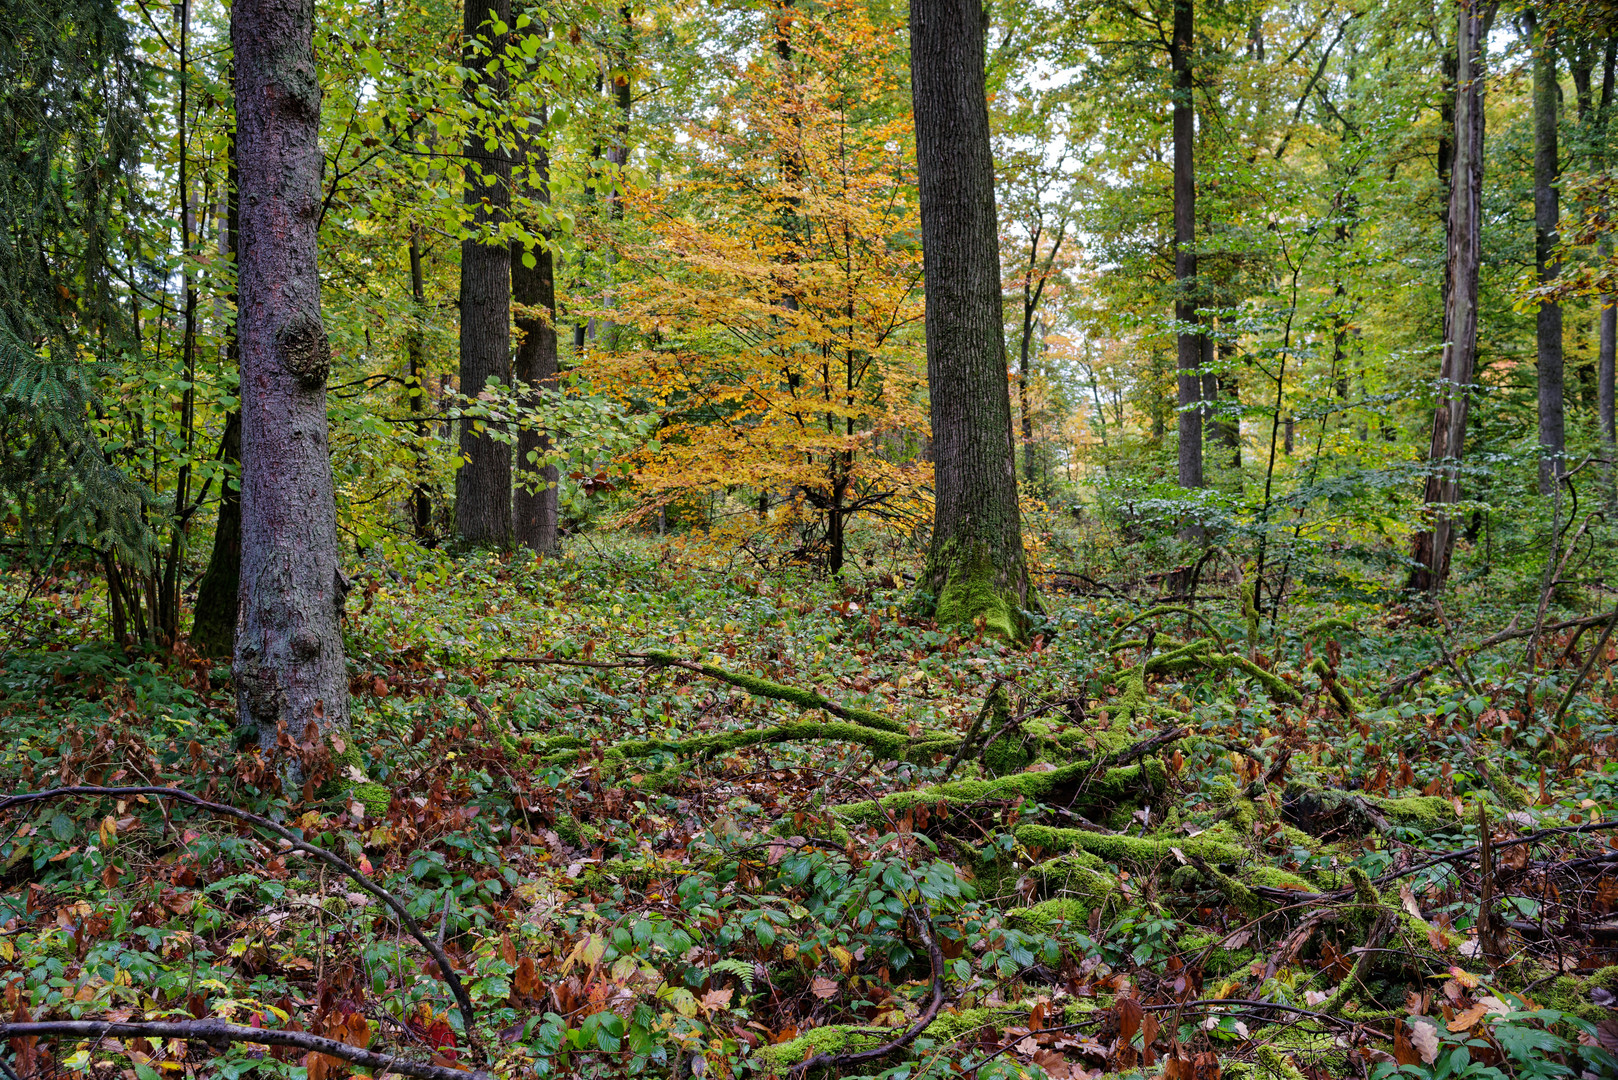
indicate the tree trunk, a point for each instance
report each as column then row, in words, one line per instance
column 1552, row 433
column 534, row 290
column 1189, row 352
column 1431, row 548
column 213, row 621
column 421, row 502
column 975, row 563
column 1609, row 312
column 213, row 625
column 289, row 664
column 483, row 482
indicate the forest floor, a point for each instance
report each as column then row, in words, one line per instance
column 660, row 814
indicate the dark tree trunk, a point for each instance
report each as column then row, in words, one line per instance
column 213, row 622
column 1609, row 312
column 534, row 290
column 213, row 625
column 975, row 564
column 289, row 664
column 1548, row 327
column 1431, row 548
column 421, row 502
column 1189, row 351
column 483, row 483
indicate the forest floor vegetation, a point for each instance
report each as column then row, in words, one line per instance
column 662, row 813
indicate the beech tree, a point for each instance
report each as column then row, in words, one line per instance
column 975, row 563
column 289, row 664
column 1188, row 343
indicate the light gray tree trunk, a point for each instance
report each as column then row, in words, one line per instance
column 1189, row 342
column 289, row 653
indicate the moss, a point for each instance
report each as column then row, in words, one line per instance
column 804, row 699
column 1429, row 813
column 374, row 797
column 1271, row 1065
column 576, row 833
column 1275, row 878
column 952, row 1026
column 973, row 588
column 833, row 1038
column 1364, row 891
column 884, row 744
column 1571, row 994
column 1127, row 850
column 1050, row 918
column 1128, row 784
column 1329, row 625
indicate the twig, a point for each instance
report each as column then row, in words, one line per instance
column 219, row 1035
column 1437, row 860
column 972, row 732
column 447, row 973
column 1584, row 672
column 935, row 955
column 1509, row 634
column 543, row 661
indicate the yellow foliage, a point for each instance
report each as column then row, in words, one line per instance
column 774, row 284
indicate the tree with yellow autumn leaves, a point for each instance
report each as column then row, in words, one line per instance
column 775, row 289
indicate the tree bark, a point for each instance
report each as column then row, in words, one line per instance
column 1431, row 547
column 289, row 664
column 1608, row 348
column 213, row 620
column 1548, row 324
column 421, row 502
column 975, row 563
column 1189, row 342
column 483, row 482
column 534, row 290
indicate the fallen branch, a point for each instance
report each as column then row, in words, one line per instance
column 1437, row 860
column 935, row 956
column 297, row 842
column 806, row 699
column 219, row 1035
column 1512, row 634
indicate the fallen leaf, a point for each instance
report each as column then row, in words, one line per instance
column 1424, row 1037
column 823, row 988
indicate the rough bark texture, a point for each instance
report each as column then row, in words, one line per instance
column 1189, row 350
column 975, row 565
column 534, row 291
column 289, row 652
column 1552, row 433
column 1431, row 548
column 483, row 483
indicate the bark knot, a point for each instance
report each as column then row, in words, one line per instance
column 305, row 349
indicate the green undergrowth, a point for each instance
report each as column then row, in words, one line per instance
column 736, row 857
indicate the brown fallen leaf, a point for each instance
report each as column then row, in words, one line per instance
column 823, row 988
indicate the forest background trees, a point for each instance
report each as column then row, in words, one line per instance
column 640, row 266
